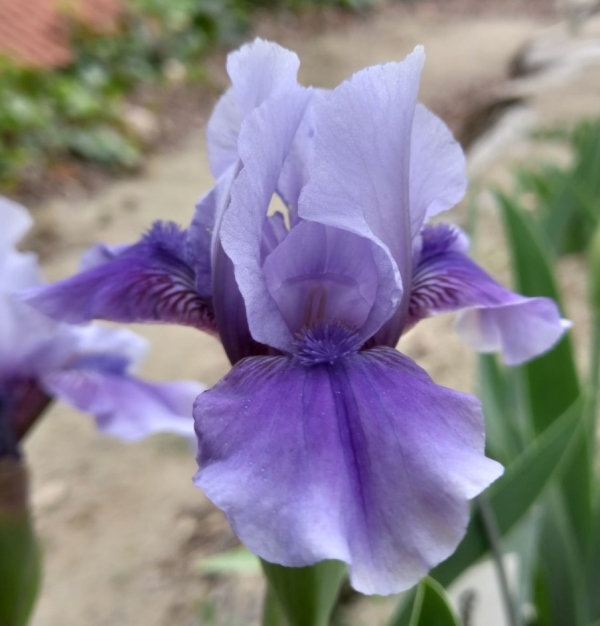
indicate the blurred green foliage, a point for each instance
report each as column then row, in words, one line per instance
column 77, row 111
column 542, row 417
column 566, row 199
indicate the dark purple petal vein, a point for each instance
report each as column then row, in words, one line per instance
column 151, row 281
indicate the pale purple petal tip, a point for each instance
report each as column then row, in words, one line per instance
column 521, row 330
column 492, row 317
column 100, row 254
column 438, row 177
column 359, row 180
column 124, row 406
column 258, row 71
column 15, row 221
column 365, row 460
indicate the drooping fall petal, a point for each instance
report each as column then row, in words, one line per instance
column 492, row 317
column 151, row 281
column 363, row 460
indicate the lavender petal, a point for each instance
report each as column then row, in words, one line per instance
column 360, row 176
column 151, row 281
column 122, row 405
column 365, row 460
column 16, row 221
column 324, row 274
column 492, row 317
column 438, row 178
column 258, row 71
column 264, row 144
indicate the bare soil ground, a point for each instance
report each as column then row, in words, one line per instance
column 122, row 527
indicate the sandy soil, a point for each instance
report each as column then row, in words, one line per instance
column 122, row 527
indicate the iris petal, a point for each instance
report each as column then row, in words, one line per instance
column 152, row 281
column 360, row 176
column 493, row 318
column 257, row 70
column 363, row 460
column 438, row 178
column 320, row 273
column 123, row 405
column 16, row 221
column 264, row 145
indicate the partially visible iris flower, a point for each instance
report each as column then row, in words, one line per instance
column 324, row 442
column 88, row 367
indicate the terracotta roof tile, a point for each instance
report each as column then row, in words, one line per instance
column 34, row 32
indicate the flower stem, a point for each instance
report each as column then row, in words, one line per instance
column 493, row 535
column 272, row 611
column 302, row 596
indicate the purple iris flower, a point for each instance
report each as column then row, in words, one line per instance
column 324, row 442
column 88, row 367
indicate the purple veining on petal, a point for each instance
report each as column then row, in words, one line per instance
column 365, row 460
column 494, row 318
column 88, row 366
column 151, row 281
column 322, row 274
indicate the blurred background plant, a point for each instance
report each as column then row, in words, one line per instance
column 48, row 115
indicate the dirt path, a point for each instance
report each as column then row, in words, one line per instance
column 121, row 525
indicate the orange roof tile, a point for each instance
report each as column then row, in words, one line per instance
column 34, row 32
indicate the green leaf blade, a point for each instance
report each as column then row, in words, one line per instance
column 513, row 494
column 432, row 606
column 306, row 595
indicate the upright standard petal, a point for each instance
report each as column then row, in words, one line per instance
column 258, row 71
column 493, row 318
column 362, row 459
column 15, row 220
column 18, row 270
column 438, row 177
column 359, row 180
column 264, row 145
column 151, row 281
